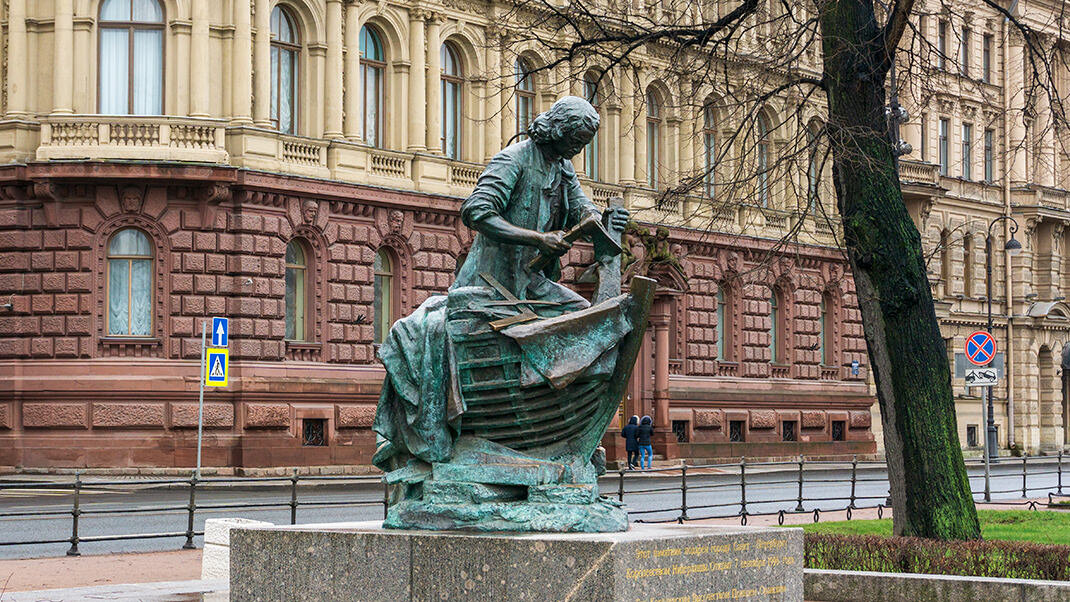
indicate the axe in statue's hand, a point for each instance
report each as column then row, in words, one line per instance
column 590, row 227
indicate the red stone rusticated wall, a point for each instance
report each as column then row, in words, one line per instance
column 72, row 396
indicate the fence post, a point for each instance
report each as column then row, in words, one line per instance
column 620, row 487
column 799, row 506
column 683, row 492
column 743, row 486
column 386, row 497
column 1059, row 469
column 854, row 478
column 192, row 508
column 1025, row 469
column 76, row 511
column 293, row 498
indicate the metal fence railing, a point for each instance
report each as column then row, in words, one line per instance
column 703, row 492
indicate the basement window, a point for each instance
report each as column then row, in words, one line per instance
column 839, row 429
column 788, row 430
column 736, row 431
column 314, row 432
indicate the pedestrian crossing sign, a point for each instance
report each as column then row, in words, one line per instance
column 216, row 368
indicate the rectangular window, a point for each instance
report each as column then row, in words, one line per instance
column 736, row 431
column 924, row 137
column 839, row 429
column 990, row 159
column 967, row 151
column 788, row 430
column 945, row 125
column 964, row 53
column 971, row 435
column 941, row 45
column 986, row 59
column 681, row 430
column 314, row 432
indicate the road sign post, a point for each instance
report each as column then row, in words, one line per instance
column 200, row 400
column 980, row 351
column 215, row 368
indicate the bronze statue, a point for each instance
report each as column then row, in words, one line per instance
column 497, row 394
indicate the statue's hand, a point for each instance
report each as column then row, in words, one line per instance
column 618, row 218
column 552, row 243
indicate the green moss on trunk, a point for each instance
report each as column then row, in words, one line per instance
column 929, row 488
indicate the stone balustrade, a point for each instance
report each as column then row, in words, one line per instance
column 102, row 137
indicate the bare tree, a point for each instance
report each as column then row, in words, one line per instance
column 729, row 60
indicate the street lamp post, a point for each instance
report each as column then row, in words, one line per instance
column 1012, row 247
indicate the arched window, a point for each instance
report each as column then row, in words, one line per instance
column 131, row 57
column 724, row 323
column 296, row 292
column 774, row 327
column 525, row 96
column 383, row 302
column 452, row 78
column 709, row 142
column 285, row 49
column 129, row 284
column 372, row 67
column 763, row 160
column 590, row 152
column 653, row 138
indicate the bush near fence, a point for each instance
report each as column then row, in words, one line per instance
column 1001, row 559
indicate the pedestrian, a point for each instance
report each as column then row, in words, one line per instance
column 644, row 435
column 631, row 441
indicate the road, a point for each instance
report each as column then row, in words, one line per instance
column 111, row 510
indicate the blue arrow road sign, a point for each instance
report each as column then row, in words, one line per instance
column 219, row 332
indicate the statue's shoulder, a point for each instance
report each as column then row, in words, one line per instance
column 518, row 151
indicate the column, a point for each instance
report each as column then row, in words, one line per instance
column 492, row 133
column 199, row 61
column 352, row 73
column 63, row 58
column 16, row 60
column 434, row 84
column 1015, row 88
column 641, row 175
column 627, row 127
column 1044, row 128
column 242, row 70
column 83, row 57
column 687, row 128
column 508, row 81
column 417, row 81
column 334, row 74
column 181, row 34
column 664, row 440
column 262, row 64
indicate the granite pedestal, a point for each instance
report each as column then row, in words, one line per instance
column 648, row 563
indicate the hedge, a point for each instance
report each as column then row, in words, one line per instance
column 1003, row 559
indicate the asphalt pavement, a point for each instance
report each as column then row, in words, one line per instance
column 115, row 510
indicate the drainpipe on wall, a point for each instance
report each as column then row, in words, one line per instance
column 1008, row 290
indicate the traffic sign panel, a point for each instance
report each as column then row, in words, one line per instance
column 981, row 377
column 220, row 329
column 980, row 348
column 216, row 368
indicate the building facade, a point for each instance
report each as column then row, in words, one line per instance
column 297, row 166
column 987, row 146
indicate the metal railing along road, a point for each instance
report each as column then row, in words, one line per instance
column 705, row 491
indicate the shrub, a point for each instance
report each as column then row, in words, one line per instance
column 1003, row 559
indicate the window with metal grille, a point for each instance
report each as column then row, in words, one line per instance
column 788, row 430
column 735, row 431
column 839, row 428
column 681, row 430
column 971, row 435
column 314, row 432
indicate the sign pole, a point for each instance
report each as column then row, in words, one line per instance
column 200, row 401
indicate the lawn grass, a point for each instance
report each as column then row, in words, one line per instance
column 1045, row 527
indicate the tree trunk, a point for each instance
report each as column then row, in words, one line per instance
column 929, row 488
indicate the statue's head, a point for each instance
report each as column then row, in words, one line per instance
column 567, row 127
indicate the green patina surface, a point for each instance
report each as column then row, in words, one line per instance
column 492, row 409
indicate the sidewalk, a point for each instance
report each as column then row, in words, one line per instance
column 97, row 570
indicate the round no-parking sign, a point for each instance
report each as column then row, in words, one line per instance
column 980, row 348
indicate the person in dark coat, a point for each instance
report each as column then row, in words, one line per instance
column 631, row 442
column 645, row 434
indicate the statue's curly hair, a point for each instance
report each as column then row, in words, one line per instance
column 567, row 115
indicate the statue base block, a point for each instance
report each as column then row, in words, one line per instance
column 544, row 515
column 363, row 561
